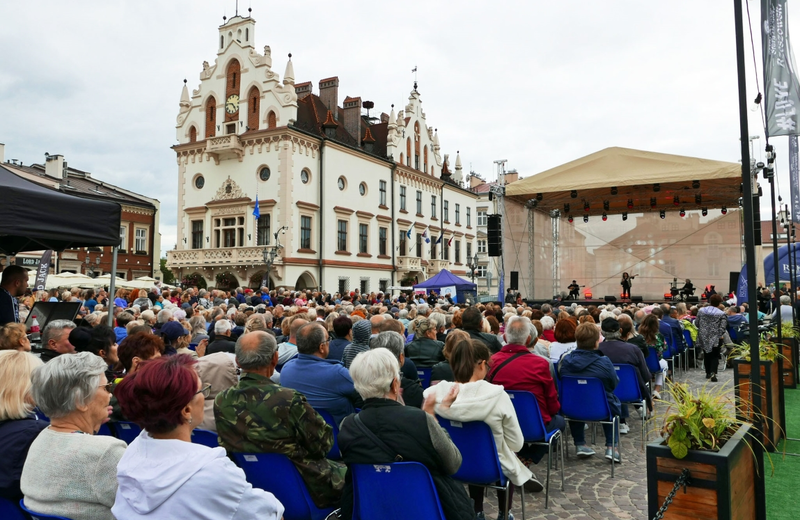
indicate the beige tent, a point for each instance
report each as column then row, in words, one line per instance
column 617, row 180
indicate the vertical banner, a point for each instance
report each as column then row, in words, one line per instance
column 43, row 269
column 794, row 177
column 781, row 90
column 741, row 287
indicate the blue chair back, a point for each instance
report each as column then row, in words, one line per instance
column 371, row 499
column 275, row 473
column 529, row 415
column 687, row 336
column 652, row 361
column 479, row 461
column 627, row 389
column 126, row 431
column 424, row 375
column 734, row 334
column 105, row 430
column 334, row 453
column 39, row 516
column 205, row 437
column 584, row 399
column 10, row 510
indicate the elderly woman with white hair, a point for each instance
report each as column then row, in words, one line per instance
column 414, row 434
column 425, row 350
column 70, row 471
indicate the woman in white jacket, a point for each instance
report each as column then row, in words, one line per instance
column 479, row 400
column 164, row 475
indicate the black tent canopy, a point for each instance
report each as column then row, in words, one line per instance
column 33, row 217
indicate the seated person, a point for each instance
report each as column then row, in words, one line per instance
column 163, row 474
column 735, row 317
column 411, row 388
column 425, row 350
column 326, row 383
column 103, row 343
column 282, row 420
column 139, row 347
column 14, row 337
column 687, row 289
column 564, row 339
column 587, row 361
column 442, row 371
column 414, row 433
column 19, row 426
column 362, row 330
column 219, row 371
column 342, row 329
column 222, row 338
column 70, row 471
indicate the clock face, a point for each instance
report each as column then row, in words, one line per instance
column 232, row 104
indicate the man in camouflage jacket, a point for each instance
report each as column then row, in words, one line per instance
column 259, row 416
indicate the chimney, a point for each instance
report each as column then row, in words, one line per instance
column 384, row 117
column 2, row 153
column 329, row 94
column 55, row 167
column 352, row 116
column 475, row 181
column 303, row 89
column 511, row 176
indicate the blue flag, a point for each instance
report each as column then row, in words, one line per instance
column 425, row 236
column 256, row 211
column 408, row 234
column 439, row 241
column 500, row 289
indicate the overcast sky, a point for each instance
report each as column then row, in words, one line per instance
column 537, row 83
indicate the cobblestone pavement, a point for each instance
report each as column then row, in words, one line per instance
column 589, row 491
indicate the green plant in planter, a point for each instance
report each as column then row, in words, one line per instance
column 788, row 330
column 767, row 351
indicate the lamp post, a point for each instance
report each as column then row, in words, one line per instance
column 472, row 265
column 270, row 253
column 90, row 269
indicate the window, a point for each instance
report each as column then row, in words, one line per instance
column 382, row 187
column 382, row 232
column 403, row 198
column 364, row 286
column 403, row 237
column 342, row 286
column 482, row 218
column 341, row 183
column 469, row 217
column 363, row 236
column 419, row 245
column 458, row 214
column 197, row 234
column 211, row 117
column 253, row 109
column 305, row 176
column 446, row 211
column 419, row 203
column 446, row 250
column 362, row 189
column 199, row 182
column 383, row 285
column 272, row 120
column 192, row 134
column 123, row 238
column 433, row 206
column 140, row 243
column 264, row 173
column 341, row 243
column 480, row 272
column 458, row 251
column 305, row 232
column 228, row 232
column 469, row 251
column 263, row 231
column 481, row 246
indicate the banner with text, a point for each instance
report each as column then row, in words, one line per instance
column 781, row 90
column 43, row 269
column 794, row 177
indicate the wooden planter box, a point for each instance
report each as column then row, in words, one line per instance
column 722, row 483
column 771, row 400
column 789, row 365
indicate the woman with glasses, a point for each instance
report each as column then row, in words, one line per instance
column 164, row 475
column 70, row 471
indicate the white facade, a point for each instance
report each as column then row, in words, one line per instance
column 244, row 134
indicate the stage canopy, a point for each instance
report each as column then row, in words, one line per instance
column 445, row 278
column 627, row 179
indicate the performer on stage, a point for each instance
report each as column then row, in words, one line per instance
column 626, row 285
column 687, row 289
column 574, row 290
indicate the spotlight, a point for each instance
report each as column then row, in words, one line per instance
column 570, row 219
column 613, row 190
column 605, row 217
column 630, row 203
column 676, row 200
column 652, row 202
column 662, row 214
column 696, row 185
column 605, row 205
column 566, row 208
column 539, row 196
column 585, row 219
column 724, row 210
column 698, row 199
column 683, row 212
column 573, row 194
column 586, row 206
column 624, row 216
column 705, row 211
column 656, row 187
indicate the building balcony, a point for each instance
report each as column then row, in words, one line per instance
column 435, row 266
column 409, row 263
column 224, row 147
column 233, row 256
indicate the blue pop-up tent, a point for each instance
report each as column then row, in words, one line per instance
column 464, row 288
column 784, row 271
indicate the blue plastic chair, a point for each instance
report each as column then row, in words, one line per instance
column 334, row 453
column 583, row 399
column 652, row 361
column 534, row 432
column 424, row 375
column 629, row 392
column 371, row 499
column 205, row 437
column 126, row 431
column 39, row 516
column 480, row 464
column 275, row 473
column 687, row 338
column 105, row 430
column 10, row 510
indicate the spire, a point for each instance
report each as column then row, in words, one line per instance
column 436, row 139
column 288, row 76
column 392, row 119
column 458, row 160
column 330, row 125
column 458, row 175
column 185, row 104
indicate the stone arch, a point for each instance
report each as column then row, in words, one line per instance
column 305, row 281
column 226, row 281
column 257, row 277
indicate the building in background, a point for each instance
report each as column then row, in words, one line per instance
column 140, row 239
column 356, row 201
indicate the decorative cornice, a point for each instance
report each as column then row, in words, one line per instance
column 384, row 218
column 239, row 200
column 364, row 214
column 306, row 205
column 345, row 211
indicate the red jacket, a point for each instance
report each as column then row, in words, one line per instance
column 529, row 373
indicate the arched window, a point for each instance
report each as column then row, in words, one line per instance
column 253, row 108
column 401, row 157
column 192, row 134
column 408, row 151
column 425, row 158
column 247, row 35
column 416, row 145
column 272, row 121
column 232, row 86
column 211, row 117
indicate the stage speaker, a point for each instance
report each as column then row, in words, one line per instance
column 693, row 299
column 494, row 235
column 636, row 299
column 733, row 281
column 610, row 298
column 514, row 285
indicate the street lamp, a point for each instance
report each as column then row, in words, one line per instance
column 270, row 253
column 90, row 270
column 472, row 265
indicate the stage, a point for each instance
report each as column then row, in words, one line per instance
column 585, row 303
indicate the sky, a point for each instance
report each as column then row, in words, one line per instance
column 535, row 83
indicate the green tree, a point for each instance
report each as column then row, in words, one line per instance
column 168, row 278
